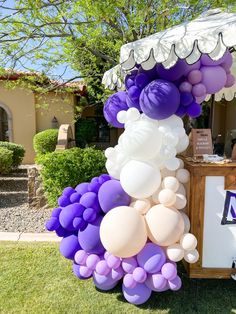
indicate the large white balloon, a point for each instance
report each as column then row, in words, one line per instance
column 139, row 179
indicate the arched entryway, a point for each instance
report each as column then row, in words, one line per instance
column 5, row 124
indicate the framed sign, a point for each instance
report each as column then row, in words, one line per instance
column 202, row 142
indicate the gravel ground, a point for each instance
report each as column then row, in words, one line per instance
column 16, row 216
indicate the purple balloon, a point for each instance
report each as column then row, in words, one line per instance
column 61, row 232
column 152, row 73
column 141, row 80
column 191, row 67
column 228, row 60
column 169, row 271
column 81, row 257
column 151, row 258
column 111, row 195
column 94, row 187
column 113, row 261
column 92, row 261
column 199, row 90
column 156, row 282
column 102, row 268
column 75, row 197
column 63, row 201
column 52, row 224
column 89, row 239
column 186, row 98
column 194, row 110
column 199, row 100
column 185, row 87
column 89, row 215
column 134, row 92
column 175, row 284
column 68, row 214
column 129, row 80
column 86, row 272
column 56, row 212
column 230, row 80
column 69, row 246
column 137, row 295
column 181, row 111
column 160, row 99
column 82, row 188
column 206, row 59
column 76, row 271
column 195, row 77
column 129, row 264
column 173, row 73
column 103, row 178
column 68, row 191
column 90, row 200
column 113, row 105
column 117, row 273
column 139, row 275
column 104, row 282
column 79, row 223
column 129, row 282
column 214, row 78
column 133, row 103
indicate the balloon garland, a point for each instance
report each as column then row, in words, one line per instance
column 130, row 224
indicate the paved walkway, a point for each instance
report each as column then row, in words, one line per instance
column 29, row 237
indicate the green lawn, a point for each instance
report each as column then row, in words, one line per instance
column 34, row 279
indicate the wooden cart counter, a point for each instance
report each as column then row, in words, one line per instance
column 206, row 194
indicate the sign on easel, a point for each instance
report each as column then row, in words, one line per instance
column 202, row 142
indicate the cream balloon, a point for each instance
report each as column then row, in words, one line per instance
column 123, row 231
column 139, row 179
column 171, row 183
column 175, row 252
column 183, row 175
column 142, row 205
column 167, row 197
column 181, row 190
column 180, row 201
column 165, row 225
column 188, row 242
column 186, row 221
column 191, row 256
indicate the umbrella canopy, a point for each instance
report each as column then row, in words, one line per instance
column 211, row 33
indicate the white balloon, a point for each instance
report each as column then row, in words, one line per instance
column 186, row 221
column 188, row 242
column 180, row 131
column 167, row 197
column 172, row 164
column 139, row 179
column 164, row 129
column 155, row 196
column 167, row 173
column 132, row 114
column 167, row 152
column 191, row 256
column 181, row 163
column 141, row 140
column 112, row 169
column 182, row 144
column 170, row 139
column 180, row 201
column 181, row 190
column 110, row 153
column 121, row 116
column 142, row 205
column 175, row 252
column 183, row 175
column 173, row 122
column 171, row 183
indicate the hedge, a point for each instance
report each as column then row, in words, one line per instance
column 69, row 168
column 17, row 150
column 45, row 141
column 6, row 160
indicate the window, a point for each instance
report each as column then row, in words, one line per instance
column 4, row 131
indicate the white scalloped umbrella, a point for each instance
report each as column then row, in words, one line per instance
column 211, row 33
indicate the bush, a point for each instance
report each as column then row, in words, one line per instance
column 69, row 168
column 6, row 160
column 18, row 152
column 45, row 141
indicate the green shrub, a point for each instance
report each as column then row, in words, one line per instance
column 69, row 168
column 6, row 160
column 18, row 152
column 45, row 141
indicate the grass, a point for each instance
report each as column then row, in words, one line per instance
column 34, row 279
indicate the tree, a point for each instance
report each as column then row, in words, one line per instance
column 85, row 34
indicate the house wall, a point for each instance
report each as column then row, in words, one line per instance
column 20, row 103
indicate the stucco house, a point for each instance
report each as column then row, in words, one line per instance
column 24, row 112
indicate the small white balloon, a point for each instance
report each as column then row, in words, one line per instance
column 172, row 164
column 171, row 183
column 182, row 144
column 181, row 164
column 167, row 197
column 181, row 190
column 173, row 121
column 142, row 206
column 186, row 221
column 188, row 242
column 191, row 256
column 180, row 131
column 121, row 116
column 175, row 252
column 155, row 196
column 110, row 152
column 183, row 175
column 132, row 114
column 180, row 201
column 170, row 139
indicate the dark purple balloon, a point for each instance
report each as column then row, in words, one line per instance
column 76, row 271
column 181, row 111
column 89, row 215
column 79, row 223
column 173, row 73
column 129, row 80
column 94, row 187
column 133, row 103
column 69, row 246
column 111, row 195
column 90, row 199
column 113, row 105
column 134, row 92
column 63, row 201
column 75, row 197
column 52, row 224
column 56, row 212
column 89, row 239
column 82, row 188
column 103, row 178
column 141, row 80
column 68, row 214
column 68, row 191
column 194, row 110
column 186, row 98
column 152, row 73
column 61, row 232
column 159, row 99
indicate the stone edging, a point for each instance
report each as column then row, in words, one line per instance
column 29, row 237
